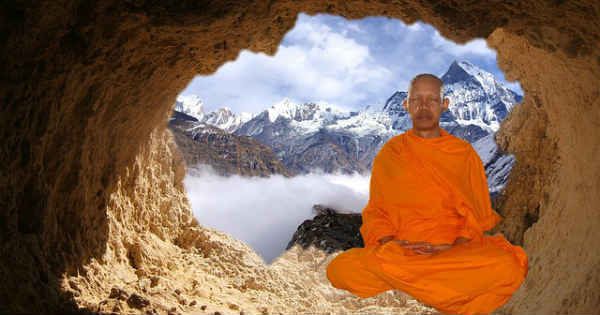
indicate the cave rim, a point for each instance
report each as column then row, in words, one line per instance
column 499, row 196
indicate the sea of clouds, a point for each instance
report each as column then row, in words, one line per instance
column 264, row 212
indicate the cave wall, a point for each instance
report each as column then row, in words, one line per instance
column 552, row 201
column 87, row 88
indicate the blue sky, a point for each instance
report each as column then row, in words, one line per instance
column 349, row 63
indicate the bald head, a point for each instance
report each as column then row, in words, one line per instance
column 425, row 102
column 427, row 76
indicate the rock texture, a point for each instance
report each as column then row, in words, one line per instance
column 550, row 200
column 330, row 230
column 227, row 153
column 91, row 192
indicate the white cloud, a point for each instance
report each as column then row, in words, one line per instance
column 346, row 62
column 354, row 27
column 415, row 27
column 265, row 212
column 473, row 47
column 316, row 63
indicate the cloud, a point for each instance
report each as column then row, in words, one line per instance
column 473, row 47
column 265, row 212
column 313, row 62
column 351, row 63
column 415, row 27
column 354, row 28
column 515, row 86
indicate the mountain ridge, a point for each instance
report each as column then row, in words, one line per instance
column 311, row 135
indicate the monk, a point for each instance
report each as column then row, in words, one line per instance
column 423, row 226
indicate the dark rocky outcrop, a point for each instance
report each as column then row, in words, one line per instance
column 329, row 230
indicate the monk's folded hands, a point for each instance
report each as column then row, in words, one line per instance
column 423, row 248
column 386, row 239
column 426, row 248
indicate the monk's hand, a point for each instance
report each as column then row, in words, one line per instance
column 460, row 240
column 386, row 239
column 423, row 248
column 432, row 249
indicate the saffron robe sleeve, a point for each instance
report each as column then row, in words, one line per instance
column 478, row 212
column 376, row 222
column 483, row 212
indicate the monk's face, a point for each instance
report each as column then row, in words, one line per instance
column 425, row 105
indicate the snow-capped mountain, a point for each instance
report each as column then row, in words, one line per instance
column 497, row 165
column 227, row 153
column 478, row 103
column 393, row 107
column 476, row 97
column 319, row 135
column 190, row 105
column 222, row 118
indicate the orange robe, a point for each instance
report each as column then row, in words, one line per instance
column 433, row 190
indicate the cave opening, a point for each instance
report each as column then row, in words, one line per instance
column 313, row 116
column 85, row 146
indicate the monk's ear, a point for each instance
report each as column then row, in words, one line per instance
column 404, row 104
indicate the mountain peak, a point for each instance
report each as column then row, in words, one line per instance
column 191, row 105
column 394, row 102
column 286, row 108
column 472, row 69
column 462, row 71
column 223, row 118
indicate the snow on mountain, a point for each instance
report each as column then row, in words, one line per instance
column 393, row 108
column 333, row 138
column 191, row 105
column 310, row 117
column 370, row 120
column 497, row 165
column 477, row 105
column 285, row 108
column 316, row 111
column 476, row 98
column 222, row 118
